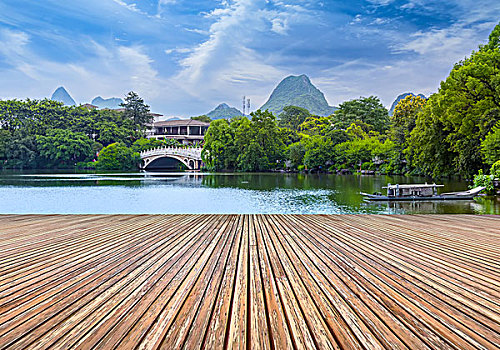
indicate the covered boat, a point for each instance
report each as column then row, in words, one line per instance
column 415, row 192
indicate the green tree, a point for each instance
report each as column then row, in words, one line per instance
column 63, row 148
column 319, row 152
column 368, row 152
column 21, row 151
column 109, row 132
column 218, row 143
column 490, row 146
column 4, row 144
column 448, row 133
column 269, row 137
column 117, row 156
column 254, row 158
column 144, row 144
column 202, row 118
column 245, row 145
column 403, row 118
column 495, row 169
column 292, row 117
column 30, row 125
column 296, row 153
column 337, row 136
column 137, row 111
column 366, row 109
column 402, row 123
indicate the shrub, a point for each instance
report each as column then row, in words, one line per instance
column 485, row 180
column 117, row 156
column 495, row 169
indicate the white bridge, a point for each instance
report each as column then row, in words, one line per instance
column 190, row 156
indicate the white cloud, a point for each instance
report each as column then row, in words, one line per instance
column 108, row 71
column 139, row 68
column 356, row 19
column 380, row 2
column 279, row 25
column 362, row 78
column 197, row 31
column 178, row 50
column 412, row 4
column 13, row 44
column 132, row 6
column 447, row 44
column 379, row 21
column 224, row 65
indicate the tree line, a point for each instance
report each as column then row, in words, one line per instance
column 456, row 131
column 37, row 134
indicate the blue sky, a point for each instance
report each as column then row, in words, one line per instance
column 186, row 56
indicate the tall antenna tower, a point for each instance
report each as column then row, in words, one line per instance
column 248, row 106
column 244, row 100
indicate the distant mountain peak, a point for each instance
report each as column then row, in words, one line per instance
column 111, row 103
column 61, row 95
column 222, row 111
column 297, row 90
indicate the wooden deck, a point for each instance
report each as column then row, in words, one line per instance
column 250, row 281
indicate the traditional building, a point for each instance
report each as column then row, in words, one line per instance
column 186, row 131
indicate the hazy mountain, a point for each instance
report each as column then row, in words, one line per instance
column 63, row 96
column 400, row 97
column 224, row 111
column 111, row 103
column 298, row 91
column 174, row 118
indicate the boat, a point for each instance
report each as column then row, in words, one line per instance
column 420, row 192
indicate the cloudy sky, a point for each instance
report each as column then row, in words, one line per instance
column 186, row 56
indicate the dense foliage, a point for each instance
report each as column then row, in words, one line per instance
column 449, row 133
column 402, row 124
column 293, row 116
column 368, row 110
column 490, row 146
column 454, row 132
column 47, row 134
column 117, row 156
column 245, row 145
column 202, row 118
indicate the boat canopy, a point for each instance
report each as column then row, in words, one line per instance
column 413, row 186
column 412, row 190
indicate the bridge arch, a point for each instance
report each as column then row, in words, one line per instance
column 190, row 157
column 151, row 161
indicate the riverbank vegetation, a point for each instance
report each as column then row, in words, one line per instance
column 456, row 131
column 46, row 134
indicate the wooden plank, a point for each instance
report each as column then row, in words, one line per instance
column 250, row 281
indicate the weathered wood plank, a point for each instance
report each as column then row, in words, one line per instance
column 249, row 281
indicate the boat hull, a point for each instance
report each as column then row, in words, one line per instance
column 373, row 197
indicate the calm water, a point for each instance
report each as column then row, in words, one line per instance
column 165, row 193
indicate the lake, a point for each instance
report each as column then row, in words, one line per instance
column 172, row 193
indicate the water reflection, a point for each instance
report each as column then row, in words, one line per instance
column 147, row 192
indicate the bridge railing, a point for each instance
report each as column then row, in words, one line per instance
column 192, row 152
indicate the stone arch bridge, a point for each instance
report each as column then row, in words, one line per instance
column 190, row 157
